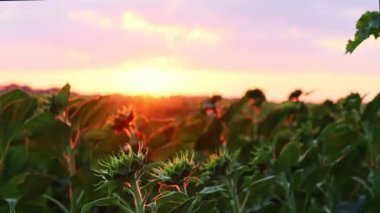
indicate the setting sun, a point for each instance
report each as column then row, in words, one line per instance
column 148, row 80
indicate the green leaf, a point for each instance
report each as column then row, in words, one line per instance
column 338, row 138
column 313, row 176
column 267, row 126
column 170, row 200
column 14, row 164
column 206, row 206
column 297, row 178
column 234, row 110
column 60, row 101
column 210, row 139
column 10, row 189
column 174, row 196
column 365, row 186
column 12, row 96
column 269, row 207
column 239, row 133
column 48, row 135
column 25, row 191
column 261, row 181
column 92, row 113
column 289, row 156
column 34, row 185
column 106, row 201
column 31, row 194
column 186, row 206
column 32, row 204
column 371, row 114
column 212, row 189
column 367, row 25
column 372, row 109
column 12, row 116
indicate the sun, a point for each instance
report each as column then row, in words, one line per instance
column 152, row 81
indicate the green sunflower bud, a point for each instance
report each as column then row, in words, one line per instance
column 216, row 167
column 177, row 170
column 124, row 166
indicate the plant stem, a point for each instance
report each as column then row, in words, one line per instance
column 291, row 203
column 235, row 196
column 138, row 198
column 372, row 153
column 244, row 202
column 72, row 170
column 183, row 188
column 306, row 203
column 252, row 111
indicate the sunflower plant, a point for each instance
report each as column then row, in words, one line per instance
column 177, row 173
column 124, row 171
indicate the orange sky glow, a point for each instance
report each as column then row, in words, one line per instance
column 165, row 48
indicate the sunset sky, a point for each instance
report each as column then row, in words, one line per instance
column 188, row 47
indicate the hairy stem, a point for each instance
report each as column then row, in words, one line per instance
column 235, row 196
column 183, row 188
column 72, row 170
column 138, row 198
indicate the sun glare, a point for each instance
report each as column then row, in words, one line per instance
column 149, row 81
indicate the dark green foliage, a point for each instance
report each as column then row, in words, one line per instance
column 368, row 25
column 47, row 135
column 15, row 108
column 295, row 95
column 257, row 96
column 247, row 156
column 60, row 101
